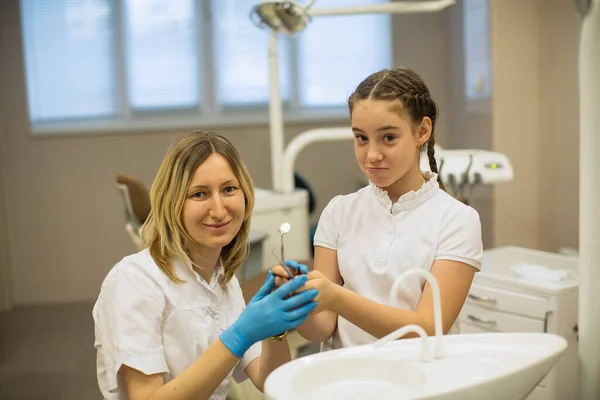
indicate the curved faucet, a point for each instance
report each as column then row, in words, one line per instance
column 437, row 316
column 425, row 353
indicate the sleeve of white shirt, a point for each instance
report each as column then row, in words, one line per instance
column 128, row 323
column 327, row 233
column 239, row 373
column 460, row 238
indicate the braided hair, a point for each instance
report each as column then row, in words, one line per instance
column 403, row 84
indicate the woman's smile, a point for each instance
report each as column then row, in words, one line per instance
column 219, row 227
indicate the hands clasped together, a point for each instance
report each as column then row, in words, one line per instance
column 315, row 281
column 281, row 304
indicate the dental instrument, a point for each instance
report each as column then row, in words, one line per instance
column 462, row 170
column 284, row 228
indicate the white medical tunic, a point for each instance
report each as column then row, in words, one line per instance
column 147, row 322
column 376, row 241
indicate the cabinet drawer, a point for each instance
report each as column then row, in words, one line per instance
column 509, row 301
column 467, row 327
column 496, row 321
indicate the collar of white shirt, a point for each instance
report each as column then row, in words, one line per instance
column 411, row 199
column 185, row 272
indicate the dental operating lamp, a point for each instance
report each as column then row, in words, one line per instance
column 289, row 17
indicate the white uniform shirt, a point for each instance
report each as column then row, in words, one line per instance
column 147, row 322
column 376, row 241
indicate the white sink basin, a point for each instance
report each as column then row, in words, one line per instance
column 505, row 366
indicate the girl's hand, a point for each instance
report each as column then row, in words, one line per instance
column 327, row 290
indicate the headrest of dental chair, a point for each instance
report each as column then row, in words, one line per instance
column 138, row 196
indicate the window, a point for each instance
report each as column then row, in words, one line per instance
column 160, row 54
column 476, row 32
column 111, row 63
column 335, row 53
column 68, row 54
column 241, row 56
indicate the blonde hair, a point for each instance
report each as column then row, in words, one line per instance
column 163, row 232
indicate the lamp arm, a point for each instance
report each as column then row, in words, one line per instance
column 397, row 7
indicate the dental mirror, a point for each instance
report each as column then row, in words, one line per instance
column 283, row 229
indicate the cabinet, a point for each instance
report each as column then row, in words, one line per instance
column 500, row 300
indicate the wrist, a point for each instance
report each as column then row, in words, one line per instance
column 338, row 293
column 235, row 341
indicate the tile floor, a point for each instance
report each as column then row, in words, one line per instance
column 47, row 353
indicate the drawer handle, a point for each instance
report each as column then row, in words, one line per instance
column 481, row 320
column 546, row 318
column 485, row 299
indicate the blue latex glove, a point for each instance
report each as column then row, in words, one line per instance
column 299, row 268
column 269, row 314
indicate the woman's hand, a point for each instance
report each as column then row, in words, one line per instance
column 269, row 313
column 281, row 275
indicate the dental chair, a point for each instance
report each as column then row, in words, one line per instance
column 136, row 200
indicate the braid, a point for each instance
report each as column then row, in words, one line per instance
column 431, row 155
column 428, row 108
column 432, row 161
column 432, row 112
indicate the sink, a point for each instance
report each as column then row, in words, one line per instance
column 505, row 366
column 475, row 366
column 355, row 376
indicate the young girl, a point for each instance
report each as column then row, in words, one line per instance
column 400, row 221
column 170, row 321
